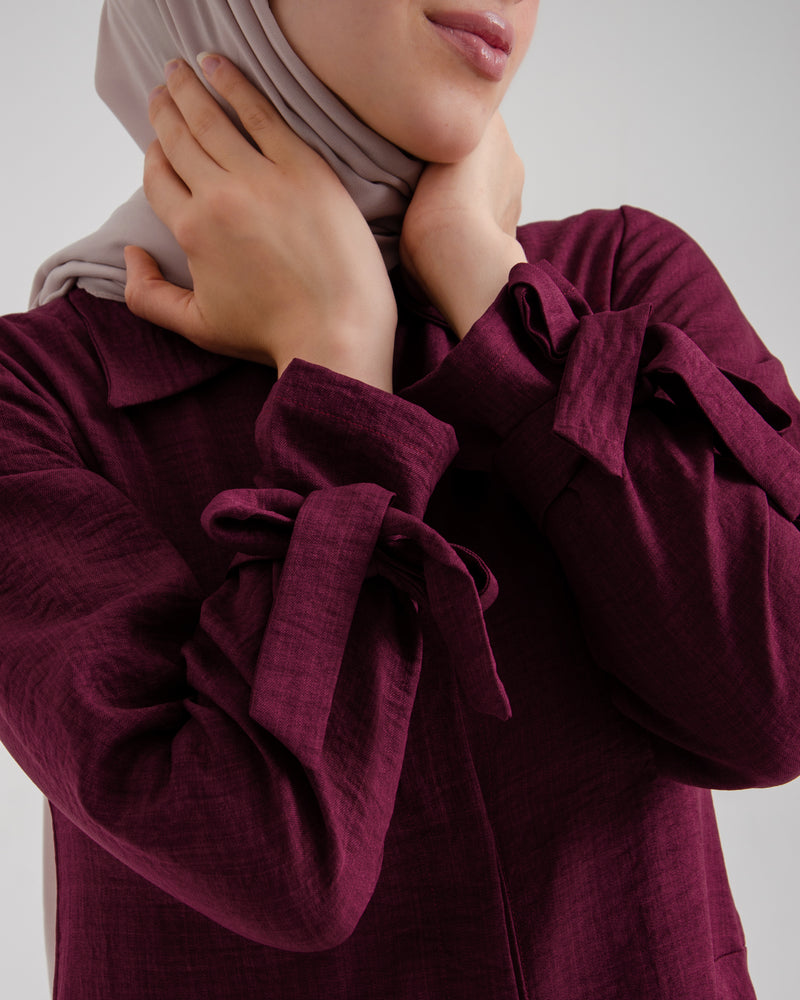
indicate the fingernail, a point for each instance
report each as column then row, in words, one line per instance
column 171, row 66
column 208, row 62
column 155, row 92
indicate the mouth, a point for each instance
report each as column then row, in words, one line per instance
column 484, row 39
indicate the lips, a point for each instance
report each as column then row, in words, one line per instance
column 491, row 27
column 482, row 38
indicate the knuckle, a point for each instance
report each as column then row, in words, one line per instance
column 154, row 162
column 149, row 175
column 204, row 123
column 186, row 232
column 257, row 118
column 164, row 122
column 224, row 205
column 153, row 154
column 254, row 111
column 156, row 104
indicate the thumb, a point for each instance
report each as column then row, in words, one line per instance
column 150, row 296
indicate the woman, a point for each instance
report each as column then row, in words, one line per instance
column 266, row 684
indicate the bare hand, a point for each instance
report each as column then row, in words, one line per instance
column 283, row 263
column 459, row 234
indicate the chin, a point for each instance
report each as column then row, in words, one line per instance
column 443, row 149
column 444, row 139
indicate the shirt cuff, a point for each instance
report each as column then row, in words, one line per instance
column 348, row 471
column 492, row 379
column 320, row 429
column 555, row 382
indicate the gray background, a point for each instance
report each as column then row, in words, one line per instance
column 688, row 108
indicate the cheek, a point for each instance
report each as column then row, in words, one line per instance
column 392, row 76
column 525, row 31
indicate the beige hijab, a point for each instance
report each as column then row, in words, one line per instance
column 137, row 37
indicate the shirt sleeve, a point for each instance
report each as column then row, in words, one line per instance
column 240, row 749
column 655, row 444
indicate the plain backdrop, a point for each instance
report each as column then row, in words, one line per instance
column 688, row 108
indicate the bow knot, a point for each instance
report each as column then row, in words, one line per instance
column 330, row 542
column 605, row 355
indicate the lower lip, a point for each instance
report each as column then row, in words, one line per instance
column 485, row 58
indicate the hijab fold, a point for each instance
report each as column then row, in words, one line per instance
column 137, row 37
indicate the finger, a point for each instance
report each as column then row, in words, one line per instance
column 150, row 296
column 256, row 113
column 186, row 155
column 163, row 188
column 209, row 125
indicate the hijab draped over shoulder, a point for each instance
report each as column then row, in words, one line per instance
column 137, row 37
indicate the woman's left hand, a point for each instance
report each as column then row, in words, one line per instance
column 459, row 234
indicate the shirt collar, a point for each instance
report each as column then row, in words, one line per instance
column 142, row 362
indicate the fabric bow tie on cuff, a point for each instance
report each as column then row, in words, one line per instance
column 607, row 357
column 326, row 557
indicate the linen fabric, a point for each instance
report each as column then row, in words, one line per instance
column 137, row 38
column 259, row 640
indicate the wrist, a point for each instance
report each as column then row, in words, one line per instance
column 492, row 268
column 362, row 357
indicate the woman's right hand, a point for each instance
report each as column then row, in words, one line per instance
column 283, row 263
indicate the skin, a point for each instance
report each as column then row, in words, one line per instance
column 283, row 264
column 382, row 59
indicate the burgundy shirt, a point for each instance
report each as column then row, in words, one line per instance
column 259, row 639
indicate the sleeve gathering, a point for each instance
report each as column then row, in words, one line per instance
column 653, row 443
column 240, row 749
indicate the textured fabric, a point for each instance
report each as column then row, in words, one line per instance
column 137, row 37
column 259, row 639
